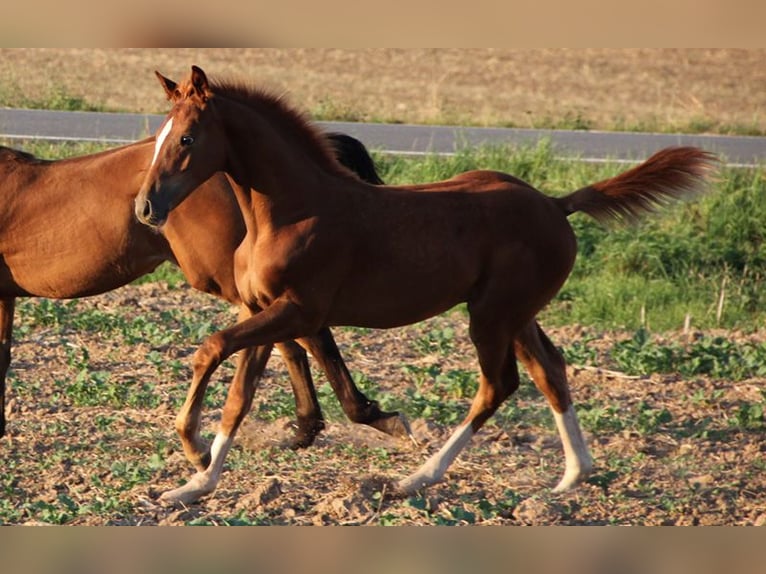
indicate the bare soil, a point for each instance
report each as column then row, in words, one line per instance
column 107, row 463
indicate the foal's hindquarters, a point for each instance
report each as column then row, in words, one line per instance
column 502, row 327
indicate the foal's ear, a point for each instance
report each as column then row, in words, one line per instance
column 170, row 87
column 200, row 83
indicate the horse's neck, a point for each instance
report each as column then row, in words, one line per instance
column 275, row 164
column 114, row 177
column 262, row 212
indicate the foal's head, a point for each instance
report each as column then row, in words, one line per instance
column 189, row 149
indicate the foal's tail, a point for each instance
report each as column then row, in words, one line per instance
column 669, row 174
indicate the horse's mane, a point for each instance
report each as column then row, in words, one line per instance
column 291, row 120
column 12, row 154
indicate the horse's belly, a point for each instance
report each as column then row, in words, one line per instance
column 69, row 278
column 395, row 303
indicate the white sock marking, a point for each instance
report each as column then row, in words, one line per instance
column 577, row 457
column 434, row 468
column 161, row 138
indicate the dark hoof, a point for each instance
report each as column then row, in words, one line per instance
column 394, row 424
column 305, row 434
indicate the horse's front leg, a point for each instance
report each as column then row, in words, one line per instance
column 6, row 336
column 250, row 366
column 278, row 322
column 308, row 412
column 251, row 363
column 358, row 408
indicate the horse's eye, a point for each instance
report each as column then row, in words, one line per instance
column 187, row 140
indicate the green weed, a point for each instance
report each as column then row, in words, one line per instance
column 437, row 340
column 748, row 416
column 717, row 357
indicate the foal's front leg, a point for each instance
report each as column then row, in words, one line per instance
column 278, row 322
column 250, row 366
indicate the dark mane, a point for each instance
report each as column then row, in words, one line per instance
column 293, row 121
column 11, row 154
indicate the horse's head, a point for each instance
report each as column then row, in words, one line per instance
column 188, row 150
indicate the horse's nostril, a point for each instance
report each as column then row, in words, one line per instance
column 144, row 211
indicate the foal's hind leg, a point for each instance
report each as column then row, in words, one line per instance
column 6, row 335
column 498, row 380
column 546, row 366
column 358, row 408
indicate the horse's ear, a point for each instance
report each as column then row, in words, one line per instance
column 200, row 83
column 170, row 87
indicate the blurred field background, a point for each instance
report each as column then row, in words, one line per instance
column 686, row 90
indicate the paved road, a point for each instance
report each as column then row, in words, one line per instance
column 395, row 138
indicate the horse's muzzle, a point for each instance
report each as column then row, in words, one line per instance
column 147, row 214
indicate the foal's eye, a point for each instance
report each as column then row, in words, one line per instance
column 187, row 140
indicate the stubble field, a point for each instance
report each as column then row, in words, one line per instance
column 96, row 383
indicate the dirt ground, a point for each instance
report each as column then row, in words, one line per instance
column 90, row 435
column 667, row 450
column 650, row 89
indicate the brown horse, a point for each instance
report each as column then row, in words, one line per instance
column 323, row 248
column 68, row 230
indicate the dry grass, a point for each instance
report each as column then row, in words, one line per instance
column 652, row 89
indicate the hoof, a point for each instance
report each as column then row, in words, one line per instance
column 395, row 425
column 571, row 480
column 198, row 486
column 305, row 434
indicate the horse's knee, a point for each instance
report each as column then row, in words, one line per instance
column 209, row 353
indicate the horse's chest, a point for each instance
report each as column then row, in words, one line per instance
column 259, row 275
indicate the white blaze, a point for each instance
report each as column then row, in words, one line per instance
column 161, row 138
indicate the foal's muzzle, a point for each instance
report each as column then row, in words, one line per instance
column 147, row 214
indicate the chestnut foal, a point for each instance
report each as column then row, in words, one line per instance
column 323, row 248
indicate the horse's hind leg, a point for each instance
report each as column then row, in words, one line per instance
column 498, row 380
column 6, row 336
column 546, row 366
column 358, row 408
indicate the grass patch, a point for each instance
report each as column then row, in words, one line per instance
column 52, row 98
